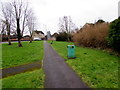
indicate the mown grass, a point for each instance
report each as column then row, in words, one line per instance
column 97, row 68
column 0, row 64
column 32, row 79
column 0, row 55
column 12, row 55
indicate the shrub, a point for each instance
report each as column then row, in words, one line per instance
column 4, row 38
column 114, row 34
column 92, row 35
column 100, row 21
column 63, row 36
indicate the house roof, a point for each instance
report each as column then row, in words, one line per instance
column 39, row 32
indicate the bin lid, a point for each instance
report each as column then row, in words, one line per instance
column 69, row 46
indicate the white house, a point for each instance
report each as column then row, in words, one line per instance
column 38, row 34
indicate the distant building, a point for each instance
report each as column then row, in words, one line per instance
column 48, row 34
column 38, row 34
column 12, row 37
column 52, row 38
column 55, row 35
column 119, row 9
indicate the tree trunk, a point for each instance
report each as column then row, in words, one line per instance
column 30, row 39
column 68, row 37
column 19, row 43
column 8, row 32
column 9, row 41
column 18, row 33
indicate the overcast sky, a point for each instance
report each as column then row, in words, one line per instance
column 81, row 12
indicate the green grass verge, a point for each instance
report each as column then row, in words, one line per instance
column 0, row 64
column 97, row 68
column 0, row 84
column 0, row 55
column 12, row 55
column 32, row 79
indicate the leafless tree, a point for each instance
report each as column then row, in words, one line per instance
column 20, row 11
column 24, row 17
column 31, row 23
column 66, row 25
column 17, row 16
column 2, row 28
column 7, row 18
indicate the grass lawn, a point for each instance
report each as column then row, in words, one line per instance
column 32, row 79
column 12, row 55
column 0, row 55
column 97, row 68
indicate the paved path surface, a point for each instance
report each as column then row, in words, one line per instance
column 58, row 73
column 19, row 69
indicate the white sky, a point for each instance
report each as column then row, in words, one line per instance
column 81, row 11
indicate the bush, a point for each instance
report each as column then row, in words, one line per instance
column 114, row 34
column 4, row 38
column 92, row 35
column 63, row 36
column 100, row 21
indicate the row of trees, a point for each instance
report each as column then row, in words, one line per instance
column 66, row 27
column 100, row 34
column 17, row 17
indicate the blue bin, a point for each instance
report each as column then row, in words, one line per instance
column 71, row 51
